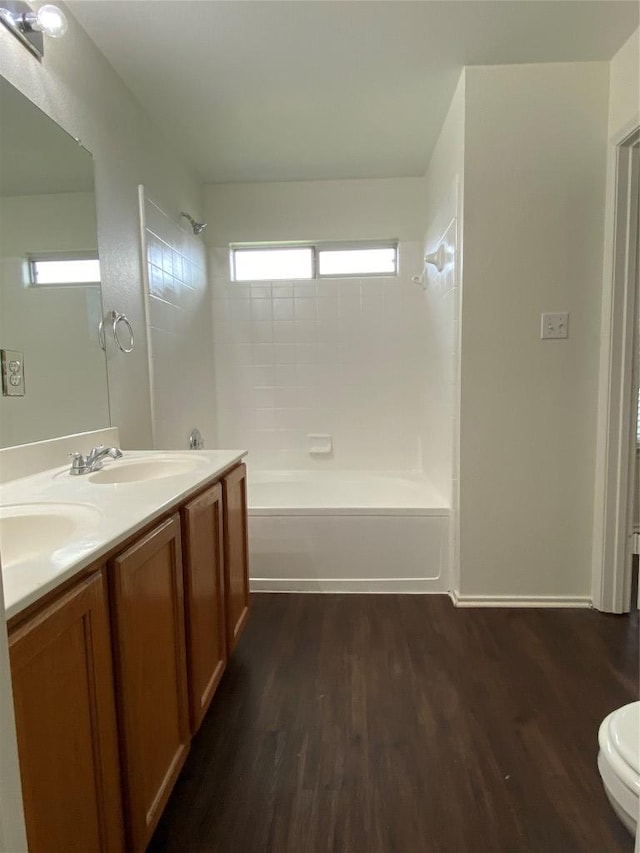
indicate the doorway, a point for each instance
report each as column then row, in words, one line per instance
column 614, row 517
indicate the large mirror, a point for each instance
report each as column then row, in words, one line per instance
column 50, row 297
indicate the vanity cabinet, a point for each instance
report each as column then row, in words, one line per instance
column 204, row 598
column 66, row 724
column 236, row 553
column 151, row 674
column 113, row 674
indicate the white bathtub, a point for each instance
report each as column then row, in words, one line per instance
column 346, row 532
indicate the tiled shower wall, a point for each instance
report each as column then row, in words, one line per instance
column 345, row 357
column 177, row 304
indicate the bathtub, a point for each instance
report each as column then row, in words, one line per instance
column 340, row 531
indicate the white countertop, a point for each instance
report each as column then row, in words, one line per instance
column 122, row 509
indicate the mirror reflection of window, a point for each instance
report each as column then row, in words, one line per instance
column 50, row 282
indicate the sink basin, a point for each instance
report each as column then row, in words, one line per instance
column 28, row 531
column 137, row 470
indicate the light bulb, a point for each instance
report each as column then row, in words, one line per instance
column 51, row 21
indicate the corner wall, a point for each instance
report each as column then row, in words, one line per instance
column 444, row 201
column 79, row 90
column 535, row 156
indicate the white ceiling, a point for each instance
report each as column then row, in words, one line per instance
column 266, row 90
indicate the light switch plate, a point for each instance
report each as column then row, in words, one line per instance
column 554, row 326
column 12, row 373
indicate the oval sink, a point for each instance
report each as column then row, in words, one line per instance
column 30, row 530
column 145, row 469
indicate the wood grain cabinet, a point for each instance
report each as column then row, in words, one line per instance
column 66, row 726
column 151, row 677
column 204, row 598
column 107, row 695
column 236, row 553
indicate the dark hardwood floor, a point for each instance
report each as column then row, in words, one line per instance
column 398, row 724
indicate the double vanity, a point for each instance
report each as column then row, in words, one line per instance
column 126, row 590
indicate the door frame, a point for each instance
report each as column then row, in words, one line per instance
column 616, row 446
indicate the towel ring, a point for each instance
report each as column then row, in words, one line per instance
column 117, row 319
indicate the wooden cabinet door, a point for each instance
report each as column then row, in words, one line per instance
column 66, row 724
column 204, row 597
column 236, row 553
column 148, row 608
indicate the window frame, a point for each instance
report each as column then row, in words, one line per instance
column 316, row 249
column 33, row 258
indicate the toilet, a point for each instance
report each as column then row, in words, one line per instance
column 619, row 762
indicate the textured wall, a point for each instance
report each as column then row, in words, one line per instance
column 535, row 161
column 77, row 87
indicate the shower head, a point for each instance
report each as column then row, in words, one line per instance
column 198, row 227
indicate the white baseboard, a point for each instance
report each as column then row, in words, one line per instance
column 519, row 600
column 418, row 586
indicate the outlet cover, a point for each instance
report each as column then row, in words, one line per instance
column 554, row 326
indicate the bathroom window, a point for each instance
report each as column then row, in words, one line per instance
column 342, row 261
column 269, row 264
column 78, row 268
column 322, row 260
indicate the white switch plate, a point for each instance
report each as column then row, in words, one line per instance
column 553, row 326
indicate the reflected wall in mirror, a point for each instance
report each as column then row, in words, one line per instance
column 47, row 212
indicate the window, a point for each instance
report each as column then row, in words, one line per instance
column 268, row 264
column 78, row 268
column 376, row 260
column 322, row 260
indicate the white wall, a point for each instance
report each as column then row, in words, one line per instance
column 77, row 87
column 178, row 308
column 535, row 155
column 624, row 85
column 444, row 202
column 343, row 356
column 56, row 328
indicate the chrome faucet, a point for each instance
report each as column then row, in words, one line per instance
column 93, row 459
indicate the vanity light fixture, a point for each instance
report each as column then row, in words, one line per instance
column 29, row 26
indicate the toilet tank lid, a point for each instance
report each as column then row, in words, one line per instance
column 624, row 728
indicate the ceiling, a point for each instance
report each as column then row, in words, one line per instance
column 273, row 90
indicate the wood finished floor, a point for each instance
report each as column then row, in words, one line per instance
column 398, row 724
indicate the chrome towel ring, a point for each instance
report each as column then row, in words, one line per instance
column 118, row 318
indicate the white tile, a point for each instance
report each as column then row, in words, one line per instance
column 327, row 308
column 304, row 288
column 240, row 309
column 282, row 289
column 263, row 354
column 284, row 354
column 264, row 398
column 240, row 290
column 154, row 249
column 263, row 375
column 264, row 419
column 261, row 333
column 305, row 309
column 283, row 309
column 156, row 280
column 286, row 375
column 284, row 331
column 261, row 290
column 306, row 331
column 306, row 353
column 307, row 375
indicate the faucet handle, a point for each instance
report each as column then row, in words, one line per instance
column 78, row 464
column 91, row 455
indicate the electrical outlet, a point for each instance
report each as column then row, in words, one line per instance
column 12, row 373
column 554, row 326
